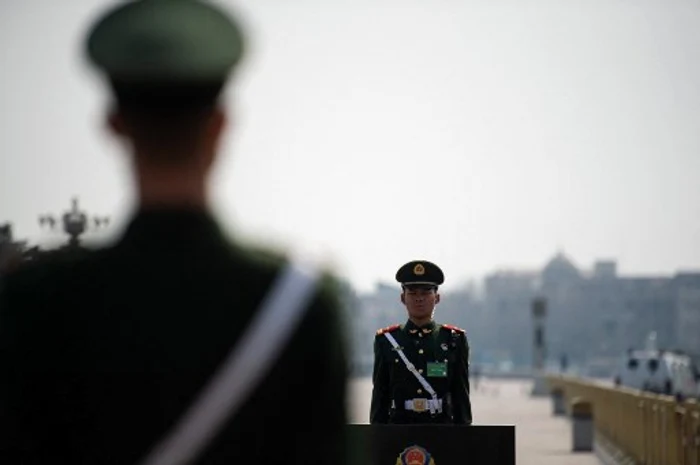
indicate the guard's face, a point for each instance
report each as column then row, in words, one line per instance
column 420, row 301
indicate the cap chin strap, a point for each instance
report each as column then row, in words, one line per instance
column 271, row 327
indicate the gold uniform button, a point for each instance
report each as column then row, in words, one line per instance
column 419, row 391
column 420, row 334
column 420, row 351
column 420, row 371
column 396, row 360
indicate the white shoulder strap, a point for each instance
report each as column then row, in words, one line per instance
column 411, row 367
column 272, row 326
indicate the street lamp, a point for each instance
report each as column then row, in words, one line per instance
column 539, row 313
column 75, row 223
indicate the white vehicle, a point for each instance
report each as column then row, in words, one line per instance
column 659, row 371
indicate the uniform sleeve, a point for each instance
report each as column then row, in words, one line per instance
column 327, row 375
column 381, row 394
column 460, row 385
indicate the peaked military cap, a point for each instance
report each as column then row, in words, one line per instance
column 166, row 41
column 420, row 272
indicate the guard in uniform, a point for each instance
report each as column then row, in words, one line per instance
column 102, row 355
column 421, row 368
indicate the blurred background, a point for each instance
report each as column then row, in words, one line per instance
column 539, row 148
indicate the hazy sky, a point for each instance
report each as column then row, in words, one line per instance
column 477, row 134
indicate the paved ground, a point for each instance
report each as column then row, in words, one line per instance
column 541, row 439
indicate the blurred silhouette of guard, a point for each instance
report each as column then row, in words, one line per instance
column 421, row 368
column 105, row 357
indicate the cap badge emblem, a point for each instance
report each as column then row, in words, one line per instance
column 418, row 270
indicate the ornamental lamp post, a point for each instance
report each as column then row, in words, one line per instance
column 539, row 314
column 75, row 223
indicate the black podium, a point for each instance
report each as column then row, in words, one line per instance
column 432, row 444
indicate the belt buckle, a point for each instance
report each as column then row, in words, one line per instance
column 420, row 405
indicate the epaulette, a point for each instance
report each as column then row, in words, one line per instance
column 388, row 329
column 453, row 328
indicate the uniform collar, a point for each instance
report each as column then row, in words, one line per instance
column 413, row 328
column 168, row 224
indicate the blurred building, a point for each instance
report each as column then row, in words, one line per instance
column 687, row 318
column 593, row 315
column 506, row 327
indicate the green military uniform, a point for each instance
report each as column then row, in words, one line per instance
column 101, row 354
column 440, row 355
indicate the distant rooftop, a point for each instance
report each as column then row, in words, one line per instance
column 560, row 268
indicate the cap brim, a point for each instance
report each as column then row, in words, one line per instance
column 419, row 283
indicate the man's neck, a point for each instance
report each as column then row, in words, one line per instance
column 171, row 188
column 420, row 322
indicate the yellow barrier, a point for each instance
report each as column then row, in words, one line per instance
column 650, row 429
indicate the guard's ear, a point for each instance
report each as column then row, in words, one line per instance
column 403, row 297
column 437, row 298
column 115, row 123
column 213, row 133
column 218, row 122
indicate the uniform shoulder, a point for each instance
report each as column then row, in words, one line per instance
column 255, row 267
column 388, row 329
column 453, row 329
column 259, row 258
column 45, row 282
column 267, row 262
column 259, row 266
column 51, row 264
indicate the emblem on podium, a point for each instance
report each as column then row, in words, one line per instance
column 415, row 455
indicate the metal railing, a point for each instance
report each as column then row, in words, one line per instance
column 648, row 428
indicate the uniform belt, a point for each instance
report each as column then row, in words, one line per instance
column 424, row 405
